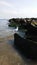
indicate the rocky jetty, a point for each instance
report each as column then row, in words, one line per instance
column 23, row 21
column 30, row 24
column 28, row 43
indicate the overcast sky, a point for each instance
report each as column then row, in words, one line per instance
column 18, row 8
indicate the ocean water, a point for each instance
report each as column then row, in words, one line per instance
column 5, row 30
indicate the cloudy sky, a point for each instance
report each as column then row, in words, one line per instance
column 18, row 8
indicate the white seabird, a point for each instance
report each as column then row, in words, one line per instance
column 15, row 30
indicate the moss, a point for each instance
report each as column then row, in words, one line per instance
column 12, row 25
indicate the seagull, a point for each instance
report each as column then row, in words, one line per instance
column 15, row 30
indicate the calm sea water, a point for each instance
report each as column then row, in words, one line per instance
column 5, row 30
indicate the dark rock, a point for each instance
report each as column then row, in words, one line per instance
column 28, row 47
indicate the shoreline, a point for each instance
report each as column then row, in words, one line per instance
column 8, row 55
column 7, row 37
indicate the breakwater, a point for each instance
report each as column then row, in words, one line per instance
column 28, row 47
